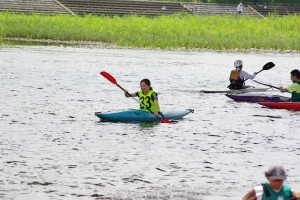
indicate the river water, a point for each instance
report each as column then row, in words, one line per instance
column 52, row 145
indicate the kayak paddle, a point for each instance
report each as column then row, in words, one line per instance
column 266, row 84
column 113, row 80
column 267, row 66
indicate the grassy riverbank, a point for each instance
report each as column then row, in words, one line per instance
column 166, row 32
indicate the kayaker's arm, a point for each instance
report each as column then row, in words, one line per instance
column 251, row 195
column 155, row 100
column 245, row 75
column 283, row 89
column 127, row 94
column 156, row 107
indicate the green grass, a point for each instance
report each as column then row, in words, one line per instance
column 167, row 32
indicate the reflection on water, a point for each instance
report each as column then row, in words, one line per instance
column 146, row 125
column 53, row 147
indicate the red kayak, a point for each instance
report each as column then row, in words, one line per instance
column 282, row 105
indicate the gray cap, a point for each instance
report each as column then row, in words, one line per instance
column 276, row 171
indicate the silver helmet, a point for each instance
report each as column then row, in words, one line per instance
column 238, row 63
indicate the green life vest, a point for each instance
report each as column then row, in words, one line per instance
column 147, row 101
column 284, row 194
column 295, row 96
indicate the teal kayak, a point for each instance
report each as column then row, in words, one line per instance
column 135, row 115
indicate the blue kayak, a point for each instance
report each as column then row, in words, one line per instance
column 135, row 115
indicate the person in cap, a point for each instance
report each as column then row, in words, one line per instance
column 239, row 8
column 274, row 189
column 295, row 87
column 237, row 77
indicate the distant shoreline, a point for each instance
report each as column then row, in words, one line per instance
column 92, row 44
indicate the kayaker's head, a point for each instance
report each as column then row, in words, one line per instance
column 295, row 75
column 145, row 85
column 276, row 175
column 238, row 64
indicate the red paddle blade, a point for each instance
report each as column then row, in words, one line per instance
column 164, row 121
column 109, row 77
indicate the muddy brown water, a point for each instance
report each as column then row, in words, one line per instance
column 53, row 147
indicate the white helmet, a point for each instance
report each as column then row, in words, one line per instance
column 238, row 63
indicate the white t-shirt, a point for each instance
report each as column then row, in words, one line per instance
column 259, row 192
column 239, row 8
column 245, row 75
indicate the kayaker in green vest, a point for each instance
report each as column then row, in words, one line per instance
column 274, row 189
column 147, row 96
column 295, row 87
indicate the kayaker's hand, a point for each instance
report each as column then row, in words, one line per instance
column 155, row 113
column 255, row 73
column 281, row 89
column 296, row 195
column 126, row 93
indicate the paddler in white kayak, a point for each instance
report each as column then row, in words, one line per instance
column 147, row 96
column 238, row 76
column 274, row 189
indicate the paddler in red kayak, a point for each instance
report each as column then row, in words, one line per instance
column 147, row 96
column 238, row 76
column 274, row 189
column 295, row 87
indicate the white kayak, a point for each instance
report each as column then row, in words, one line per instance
column 250, row 89
column 131, row 115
